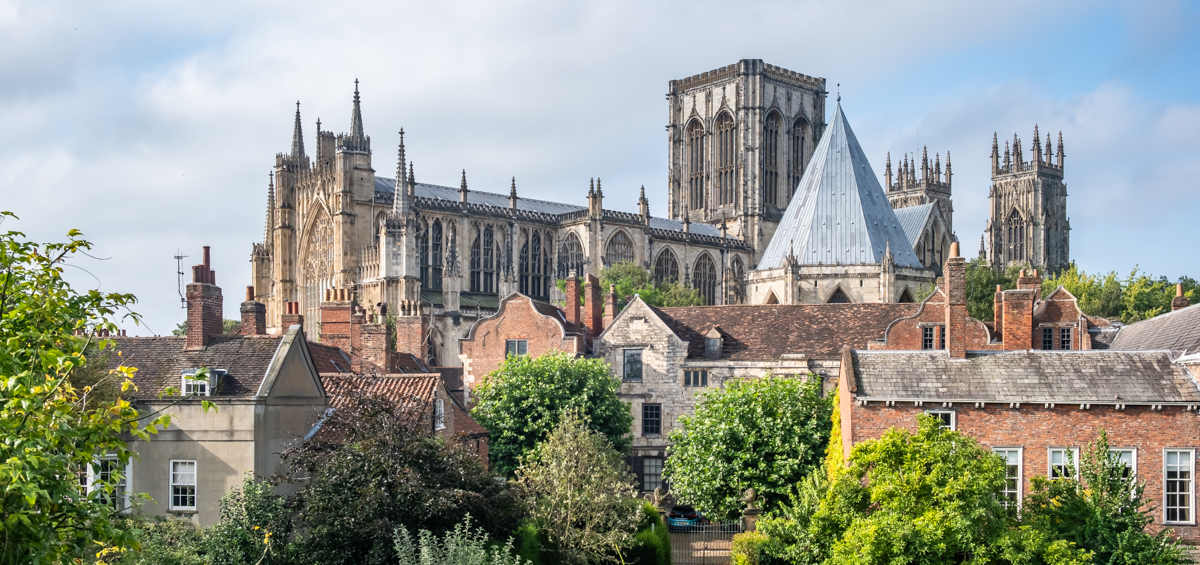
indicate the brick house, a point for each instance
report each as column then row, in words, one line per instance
column 667, row 358
column 1035, row 406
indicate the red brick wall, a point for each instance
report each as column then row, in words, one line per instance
column 1018, row 319
column 205, row 317
column 592, row 311
column 484, row 349
column 374, row 348
column 1036, row 429
column 335, row 321
column 906, row 334
column 412, row 329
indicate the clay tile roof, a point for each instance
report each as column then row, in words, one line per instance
column 329, row 359
column 401, row 389
column 1176, row 331
column 161, row 361
column 770, row 331
column 1109, row 377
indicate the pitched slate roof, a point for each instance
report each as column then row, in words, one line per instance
column 161, row 362
column 764, row 332
column 913, row 219
column 1107, row 377
column 839, row 214
column 401, row 389
column 1176, row 331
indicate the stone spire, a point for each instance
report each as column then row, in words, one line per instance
column 462, row 189
column 400, row 190
column 887, row 171
column 1037, row 145
column 512, row 194
column 412, row 180
column 356, row 123
column 982, row 247
column 995, row 153
column 925, row 163
column 947, row 169
column 297, row 136
column 1060, row 150
column 267, row 239
column 644, row 207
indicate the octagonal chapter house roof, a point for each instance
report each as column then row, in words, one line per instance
column 840, row 213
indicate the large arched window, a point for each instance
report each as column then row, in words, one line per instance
column 796, row 159
column 491, row 262
column 534, row 263
column 695, row 165
column 704, row 278
column 435, row 256
column 771, row 158
column 726, row 142
column 666, row 267
column 1015, row 230
column 570, row 256
column 423, row 252
column 737, row 282
column 318, row 272
column 477, row 262
column 619, row 249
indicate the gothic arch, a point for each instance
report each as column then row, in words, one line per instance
column 726, row 157
column 800, row 136
column 695, row 164
column 435, row 256
column 772, row 132
column 1015, row 235
column 771, row 299
column 570, row 256
column 666, row 266
column 316, row 266
column 534, row 263
column 432, row 348
column 704, row 278
column 737, row 282
column 906, row 297
column 619, row 248
column 838, row 296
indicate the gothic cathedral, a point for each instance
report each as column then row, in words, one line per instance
column 1028, row 207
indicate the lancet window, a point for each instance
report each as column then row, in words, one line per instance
column 796, row 161
column 704, row 279
column 535, row 265
column 423, row 252
column 771, row 159
column 666, row 267
column 491, row 262
column 619, row 249
column 318, row 272
column 477, row 262
column 435, row 257
column 695, row 165
column 570, row 256
column 726, row 142
column 738, row 282
column 1015, row 232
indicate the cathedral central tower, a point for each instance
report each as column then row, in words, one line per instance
column 1028, row 207
column 740, row 137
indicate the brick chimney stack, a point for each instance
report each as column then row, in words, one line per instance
column 1180, row 301
column 291, row 316
column 956, row 304
column 205, row 318
column 336, row 310
column 572, row 305
column 254, row 315
column 412, row 329
column 592, row 315
column 610, row 305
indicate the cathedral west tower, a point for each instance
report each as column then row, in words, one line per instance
column 1028, row 207
column 740, row 138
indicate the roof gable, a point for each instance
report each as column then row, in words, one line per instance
column 1176, row 331
column 840, row 213
column 292, row 373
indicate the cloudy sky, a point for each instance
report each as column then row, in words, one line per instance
column 151, row 126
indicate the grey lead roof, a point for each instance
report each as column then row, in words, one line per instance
column 385, row 191
column 1108, row 377
column 912, row 220
column 1177, row 331
column 840, row 214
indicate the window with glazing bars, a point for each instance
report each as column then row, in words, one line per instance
column 516, row 347
column 651, row 419
column 927, row 337
column 695, row 378
column 1064, row 462
column 651, row 473
column 1047, row 338
column 632, row 370
column 1064, row 338
column 1179, row 487
column 1011, row 493
column 183, row 485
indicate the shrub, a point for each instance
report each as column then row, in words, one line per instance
column 747, row 548
column 254, row 527
column 165, row 542
column 459, row 546
column 528, row 544
column 652, row 544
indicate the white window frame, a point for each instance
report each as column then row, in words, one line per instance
column 188, row 386
column 439, row 414
column 953, row 417
column 1191, row 454
column 1074, row 451
column 1133, row 457
column 1020, row 471
column 171, row 486
column 123, row 494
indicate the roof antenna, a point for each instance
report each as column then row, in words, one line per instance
column 179, row 257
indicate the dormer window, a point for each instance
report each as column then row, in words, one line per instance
column 712, row 344
column 191, row 386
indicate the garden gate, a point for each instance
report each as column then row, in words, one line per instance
column 703, row 545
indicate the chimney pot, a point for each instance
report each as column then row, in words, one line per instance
column 249, row 294
column 207, row 264
column 1180, row 301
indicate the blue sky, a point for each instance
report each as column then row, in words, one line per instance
column 152, row 125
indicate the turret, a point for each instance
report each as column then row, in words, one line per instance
column 512, row 195
column 1060, row 150
column 887, row 171
column 995, row 154
column 644, row 207
column 462, row 189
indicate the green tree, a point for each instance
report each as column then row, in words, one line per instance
column 1105, row 513
column 524, row 399
column 374, row 466
column 49, row 431
column 629, row 279
column 254, row 527
column 1139, row 296
column 982, row 281
column 933, row 497
column 460, row 546
column 228, row 327
column 765, row 433
column 580, row 493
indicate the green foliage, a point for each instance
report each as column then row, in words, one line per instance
column 747, row 548
column 375, row 466
column 165, row 542
column 580, row 493
column 50, row 430
column 932, row 497
column 528, row 545
column 460, row 546
column 981, row 287
column 1108, row 517
column 835, row 456
column 765, row 433
column 526, row 397
column 630, row 279
column 652, row 545
column 228, row 327
column 254, row 528
column 1139, row 296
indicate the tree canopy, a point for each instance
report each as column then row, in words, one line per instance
column 630, row 279
column 524, row 399
column 765, row 433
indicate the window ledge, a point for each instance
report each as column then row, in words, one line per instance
column 182, row 511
